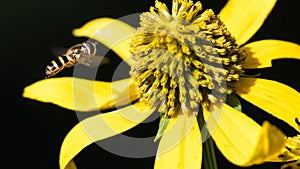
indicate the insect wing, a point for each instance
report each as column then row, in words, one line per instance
column 92, row 60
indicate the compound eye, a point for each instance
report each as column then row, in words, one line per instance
column 90, row 47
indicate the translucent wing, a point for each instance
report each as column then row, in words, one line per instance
column 92, row 60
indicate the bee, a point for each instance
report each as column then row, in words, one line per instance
column 82, row 53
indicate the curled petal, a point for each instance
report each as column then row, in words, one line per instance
column 99, row 127
column 113, row 33
column 71, row 165
column 241, row 140
column 243, row 17
column 261, row 53
column 275, row 98
column 180, row 146
column 80, row 94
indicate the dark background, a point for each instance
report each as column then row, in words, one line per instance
column 32, row 30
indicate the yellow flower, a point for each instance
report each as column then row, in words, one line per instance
column 241, row 140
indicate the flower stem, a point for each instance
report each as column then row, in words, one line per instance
column 209, row 158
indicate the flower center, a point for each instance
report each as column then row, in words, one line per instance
column 183, row 56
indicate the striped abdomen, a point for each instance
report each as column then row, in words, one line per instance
column 59, row 63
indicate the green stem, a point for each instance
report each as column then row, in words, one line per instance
column 209, row 160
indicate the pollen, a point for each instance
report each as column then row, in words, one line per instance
column 183, row 56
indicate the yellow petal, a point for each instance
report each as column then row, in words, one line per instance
column 244, row 17
column 99, row 127
column 180, row 146
column 261, row 53
column 241, row 140
column 80, row 94
column 113, row 33
column 71, row 165
column 286, row 156
column 275, row 98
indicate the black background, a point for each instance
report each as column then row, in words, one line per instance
column 32, row 30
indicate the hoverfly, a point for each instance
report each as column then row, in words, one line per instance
column 82, row 53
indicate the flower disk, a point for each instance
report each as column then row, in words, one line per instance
column 183, row 56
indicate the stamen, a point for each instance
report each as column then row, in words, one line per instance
column 182, row 56
column 293, row 150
